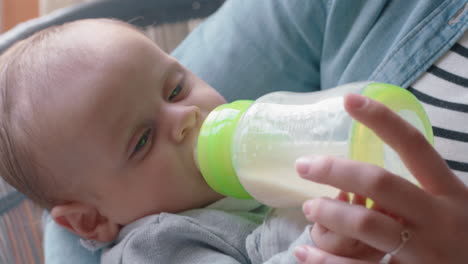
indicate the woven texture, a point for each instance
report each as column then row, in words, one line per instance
column 20, row 228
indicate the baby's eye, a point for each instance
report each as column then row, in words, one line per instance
column 175, row 92
column 142, row 141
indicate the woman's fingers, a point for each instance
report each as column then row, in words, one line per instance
column 343, row 196
column 419, row 156
column 431, row 216
column 340, row 245
column 369, row 181
column 355, row 221
column 311, row 255
column 359, row 199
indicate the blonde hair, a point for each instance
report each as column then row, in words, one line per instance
column 24, row 69
column 18, row 166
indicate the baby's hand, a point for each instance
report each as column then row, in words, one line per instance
column 340, row 245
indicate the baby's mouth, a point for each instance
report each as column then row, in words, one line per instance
column 195, row 159
column 195, row 142
column 194, row 148
column 200, row 120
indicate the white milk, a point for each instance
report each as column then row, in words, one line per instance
column 265, row 148
column 278, row 184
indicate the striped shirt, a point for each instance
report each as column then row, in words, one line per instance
column 443, row 91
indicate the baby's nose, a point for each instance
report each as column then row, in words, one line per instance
column 185, row 119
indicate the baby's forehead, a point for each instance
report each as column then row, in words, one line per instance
column 71, row 49
column 90, row 46
column 95, row 40
column 84, row 59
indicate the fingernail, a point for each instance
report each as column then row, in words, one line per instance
column 306, row 207
column 357, row 101
column 301, row 253
column 303, row 166
column 309, row 206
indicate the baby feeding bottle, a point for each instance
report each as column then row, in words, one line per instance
column 247, row 149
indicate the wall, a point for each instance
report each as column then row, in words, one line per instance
column 16, row 11
column 47, row 6
column 13, row 12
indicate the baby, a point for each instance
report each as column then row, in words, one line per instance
column 107, row 123
column 99, row 127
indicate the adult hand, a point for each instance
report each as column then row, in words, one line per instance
column 340, row 245
column 435, row 216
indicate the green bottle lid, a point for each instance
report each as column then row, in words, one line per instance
column 365, row 145
column 214, row 149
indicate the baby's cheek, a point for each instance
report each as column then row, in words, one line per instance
column 167, row 167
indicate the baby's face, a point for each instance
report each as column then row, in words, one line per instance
column 122, row 124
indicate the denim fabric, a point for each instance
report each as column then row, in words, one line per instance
column 249, row 48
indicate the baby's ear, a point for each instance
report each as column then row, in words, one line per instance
column 85, row 221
